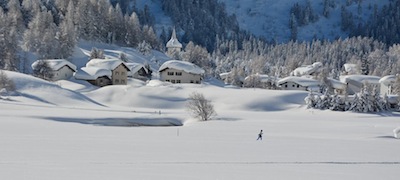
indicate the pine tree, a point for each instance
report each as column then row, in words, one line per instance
column 43, row 70
column 337, row 103
column 123, row 57
column 310, row 100
column 96, row 54
column 6, row 83
column 67, row 36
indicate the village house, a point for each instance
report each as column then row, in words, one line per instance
column 60, row 68
column 355, row 83
column 138, row 71
column 260, row 80
column 299, row 83
column 387, row 83
column 103, row 72
column 173, row 45
column 175, row 71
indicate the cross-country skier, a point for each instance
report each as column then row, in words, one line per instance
column 260, row 135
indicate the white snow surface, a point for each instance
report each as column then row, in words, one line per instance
column 70, row 129
column 183, row 66
column 48, row 132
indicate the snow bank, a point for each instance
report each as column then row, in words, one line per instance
column 33, row 90
column 397, row 133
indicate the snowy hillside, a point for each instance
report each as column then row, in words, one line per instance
column 270, row 18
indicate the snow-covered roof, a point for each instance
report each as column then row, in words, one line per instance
column 91, row 73
column 387, row 80
column 173, row 42
column 135, row 67
column 305, row 82
column 55, row 64
column 336, row 84
column 108, row 64
column 360, row 78
column 263, row 77
column 307, row 70
column 224, row 75
column 351, row 68
column 183, row 66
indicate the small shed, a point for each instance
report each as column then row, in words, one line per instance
column 356, row 82
column 61, row 68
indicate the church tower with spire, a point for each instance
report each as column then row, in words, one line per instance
column 173, row 45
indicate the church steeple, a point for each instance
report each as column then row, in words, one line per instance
column 173, row 45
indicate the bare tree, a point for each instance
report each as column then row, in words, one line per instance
column 200, row 107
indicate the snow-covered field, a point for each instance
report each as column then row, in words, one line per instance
column 72, row 130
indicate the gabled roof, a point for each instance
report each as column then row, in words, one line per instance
column 56, row 64
column 305, row 82
column 183, row 66
column 336, row 84
column 91, row 73
column 135, row 67
column 173, row 42
column 387, row 80
column 108, row 64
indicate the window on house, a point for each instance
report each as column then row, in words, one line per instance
column 298, row 86
column 173, row 81
column 122, row 73
column 116, row 81
column 170, row 73
column 191, row 81
column 293, row 85
column 197, row 82
column 286, row 86
column 178, row 81
column 167, row 80
column 178, row 73
column 117, row 73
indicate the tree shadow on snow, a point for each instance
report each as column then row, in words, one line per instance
column 386, row 137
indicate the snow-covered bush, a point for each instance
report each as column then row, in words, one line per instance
column 368, row 100
column 310, row 100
